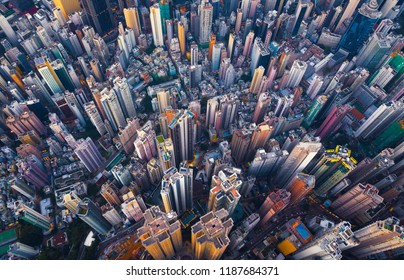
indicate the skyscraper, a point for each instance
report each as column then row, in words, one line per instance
column 257, row 78
column 333, row 121
column 377, row 237
column 88, row 154
column 182, row 37
column 303, row 11
column 205, row 12
column 273, row 204
column 210, row 235
column 110, row 192
column 299, row 187
column 128, row 135
column 298, row 159
column 48, row 74
column 145, row 146
column 296, row 73
column 384, row 115
column 166, row 154
column 33, row 217
column 21, row 250
column 95, row 117
column 314, row 110
column 360, row 27
column 333, row 166
column 156, row 24
column 161, row 233
column 133, row 207
column 261, row 108
column 164, row 14
column 348, row 12
column 353, row 204
column 181, row 131
column 9, row 31
column 92, row 215
column 67, row 6
column 224, row 192
column 177, row 189
column 99, row 15
column 329, row 244
column 132, row 21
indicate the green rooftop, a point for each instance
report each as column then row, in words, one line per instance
column 4, row 249
column 8, row 236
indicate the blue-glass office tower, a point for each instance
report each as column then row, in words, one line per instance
column 360, row 27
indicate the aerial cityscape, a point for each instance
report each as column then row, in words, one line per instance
column 201, row 130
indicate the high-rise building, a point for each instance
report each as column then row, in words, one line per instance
column 194, row 54
column 95, row 117
column 210, row 236
column 181, row 131
column 299, row 187
column 385, row 115
column 133, row 207
column 88, row 154
column 92, row 215
column 374, row 52
column 67, row 7
column 99, row 15
column 205, row 12
column 303, row 11
column 133, row 21
column 224, row 192
column 353, row 204
column 239, row 144
column 348, row 12
column 48, row 74
column 314, row 110
column 145, row 146
column 237, row 236
column 380, row 236
column 33, row 217
column 19, row 185
column 71, row 201
column 164, row 13
column 128, row 135
column 360, row 27
column 370, row 168
column 298, row 159
column 177, row 189
column 111, row 214
column 296, row 73
column 266, row 164
column 329, row 244
column 161, row 233
column 9, row 31
column 273, row 204
column 264, row 101
column 154, row 170
column 382, row 77
column 182, row 37
column 156, row 24
column 125, row 97
column 21, row 250
column 260, row 55
column 110, row 192
column 166, row 154
column 333, row 166
column 113, row 109
column 333, row 121
column 257, row 79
